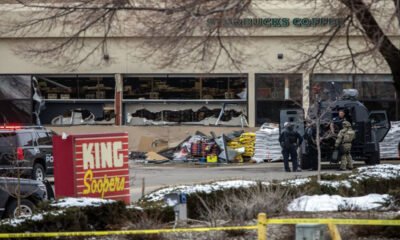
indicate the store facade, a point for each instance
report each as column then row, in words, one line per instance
column 143, row 93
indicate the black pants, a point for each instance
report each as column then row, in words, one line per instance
column 292, row 152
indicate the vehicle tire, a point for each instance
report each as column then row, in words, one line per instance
column 374, row 158
column 38, row 172
column 26, row 207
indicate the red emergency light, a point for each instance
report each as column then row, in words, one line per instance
column 10, row 127
column 20, row 153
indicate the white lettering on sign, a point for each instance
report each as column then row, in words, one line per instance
column 87, row 155
column 118, row 157
column 105, row 155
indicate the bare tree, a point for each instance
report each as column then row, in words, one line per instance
column 178, row 29
column 197, row 31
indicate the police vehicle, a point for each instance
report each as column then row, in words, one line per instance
column 26, row 151
column 32, row 192
column 371, row 128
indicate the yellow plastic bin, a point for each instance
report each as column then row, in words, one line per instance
column 212, row 159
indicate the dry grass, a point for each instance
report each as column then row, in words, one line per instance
column 244, row 206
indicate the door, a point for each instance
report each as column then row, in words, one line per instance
column 380, row 124
column 26, row 142
column 8, row 146
column 294, row 116
column 45, row 145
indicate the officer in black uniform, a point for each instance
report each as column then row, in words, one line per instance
column 337, row 122
column 290, row 140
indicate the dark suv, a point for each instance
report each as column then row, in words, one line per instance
column 27, row 151
column 31, row 193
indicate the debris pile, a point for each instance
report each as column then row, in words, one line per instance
column 237, row 146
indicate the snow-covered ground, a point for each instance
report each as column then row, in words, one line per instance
column 61, row 203
column 379, row 172
column 383, row 171
column 80, row 202
column 206, row 188
column 323, row 203
column 35, row 217
column 295, row 182
column 306, row 203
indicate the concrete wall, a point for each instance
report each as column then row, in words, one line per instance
column 173, row 134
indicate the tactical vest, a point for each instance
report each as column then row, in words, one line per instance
column 349, row 136
column 290, row 138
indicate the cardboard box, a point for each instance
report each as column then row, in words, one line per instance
column 65, row 96
column 197, row 85
column 154, row 95
column 90, row 96
column 155, row 156
column 127, row 88
column 152, row 144
column 229, row 95
column 100, row 94
column 52, row 96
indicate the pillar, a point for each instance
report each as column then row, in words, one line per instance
column 251, row 99
column 118, row 99
column 287, row 93
column 306, row 92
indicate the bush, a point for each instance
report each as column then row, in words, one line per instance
column 112, row 216
column 243, row 205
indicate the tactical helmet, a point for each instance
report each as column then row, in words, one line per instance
column 346, row 124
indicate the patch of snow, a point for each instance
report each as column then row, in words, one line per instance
column 206, row 188
column 323, row 203
column 80, row 202
column 35, row 217
column 336, row 184
column 382, row 171
column 134, row 207
column 295, row 182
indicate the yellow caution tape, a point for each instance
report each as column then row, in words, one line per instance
column 180, row 230
column 124, row 232
column 379, row 222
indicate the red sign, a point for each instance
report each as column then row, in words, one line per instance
column 92, row 165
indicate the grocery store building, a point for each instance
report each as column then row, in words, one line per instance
column 133, row 92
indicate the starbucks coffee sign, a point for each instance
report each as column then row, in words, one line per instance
column 275, row 22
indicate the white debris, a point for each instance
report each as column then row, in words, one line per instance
column 323, row 203
column 80, row 202
column 206, row 188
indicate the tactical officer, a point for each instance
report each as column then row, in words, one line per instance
column 338, row 121
column 290, row 140
column 344, row 140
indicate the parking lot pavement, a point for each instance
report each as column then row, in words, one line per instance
column 160, row 176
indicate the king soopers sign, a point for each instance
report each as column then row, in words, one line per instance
column 92, row 165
